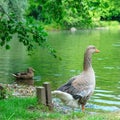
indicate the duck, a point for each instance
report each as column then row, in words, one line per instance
column 77, row 91
column 29, row 74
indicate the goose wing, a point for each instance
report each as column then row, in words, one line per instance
column 77, row 87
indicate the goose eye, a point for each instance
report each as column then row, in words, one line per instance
column 93, row 47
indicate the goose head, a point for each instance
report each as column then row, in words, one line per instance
column 87, row 56
column 92, row 49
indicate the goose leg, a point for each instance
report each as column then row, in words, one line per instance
column 83, row 108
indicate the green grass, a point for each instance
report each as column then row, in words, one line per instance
column 98, row 24
column 28, row 109
column 110, row 24
column 13, row 108
column 52, row 27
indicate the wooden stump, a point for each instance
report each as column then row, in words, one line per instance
column 44, row 95
column 41, row 97
column 48, row 95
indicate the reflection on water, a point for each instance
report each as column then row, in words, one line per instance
column 25, row 82
column 70, row 47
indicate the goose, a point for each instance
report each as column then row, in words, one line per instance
column 78, row 89
column 29, row 74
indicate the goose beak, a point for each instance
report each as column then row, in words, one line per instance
column 97, row 51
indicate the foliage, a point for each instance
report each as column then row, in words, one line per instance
column 29, row 31
column 64, row 12
column 46, row 11
column 112, row 12
column 74, row 15
column 77, row 13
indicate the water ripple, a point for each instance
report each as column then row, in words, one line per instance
column 105, row 108
column 107, row 102
column 103, row 91
column 104, row 95
column 109, row 67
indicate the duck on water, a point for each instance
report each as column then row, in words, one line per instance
column 29, row 74
column 79, row 88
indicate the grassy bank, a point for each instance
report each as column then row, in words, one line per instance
column 27, row 109
column 95, row 24
column 109, row 24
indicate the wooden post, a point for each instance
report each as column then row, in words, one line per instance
column 41, row 95
column 48, row 95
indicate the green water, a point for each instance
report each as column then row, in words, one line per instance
column 70, row 47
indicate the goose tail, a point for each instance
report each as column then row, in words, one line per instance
column 62, row 95
column 66, row 98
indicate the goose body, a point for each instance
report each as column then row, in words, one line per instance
column 79, row 88
column 25, row 75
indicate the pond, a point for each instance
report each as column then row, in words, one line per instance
column 70, row 47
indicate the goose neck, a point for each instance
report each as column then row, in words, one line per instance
column 87, row 61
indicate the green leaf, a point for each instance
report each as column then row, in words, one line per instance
column 2, row 43
column 7, row 47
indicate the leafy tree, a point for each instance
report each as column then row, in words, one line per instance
column 76, row 13
column 13, row 21
column 111, row 10
column 64, row 12
column 46, row 11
